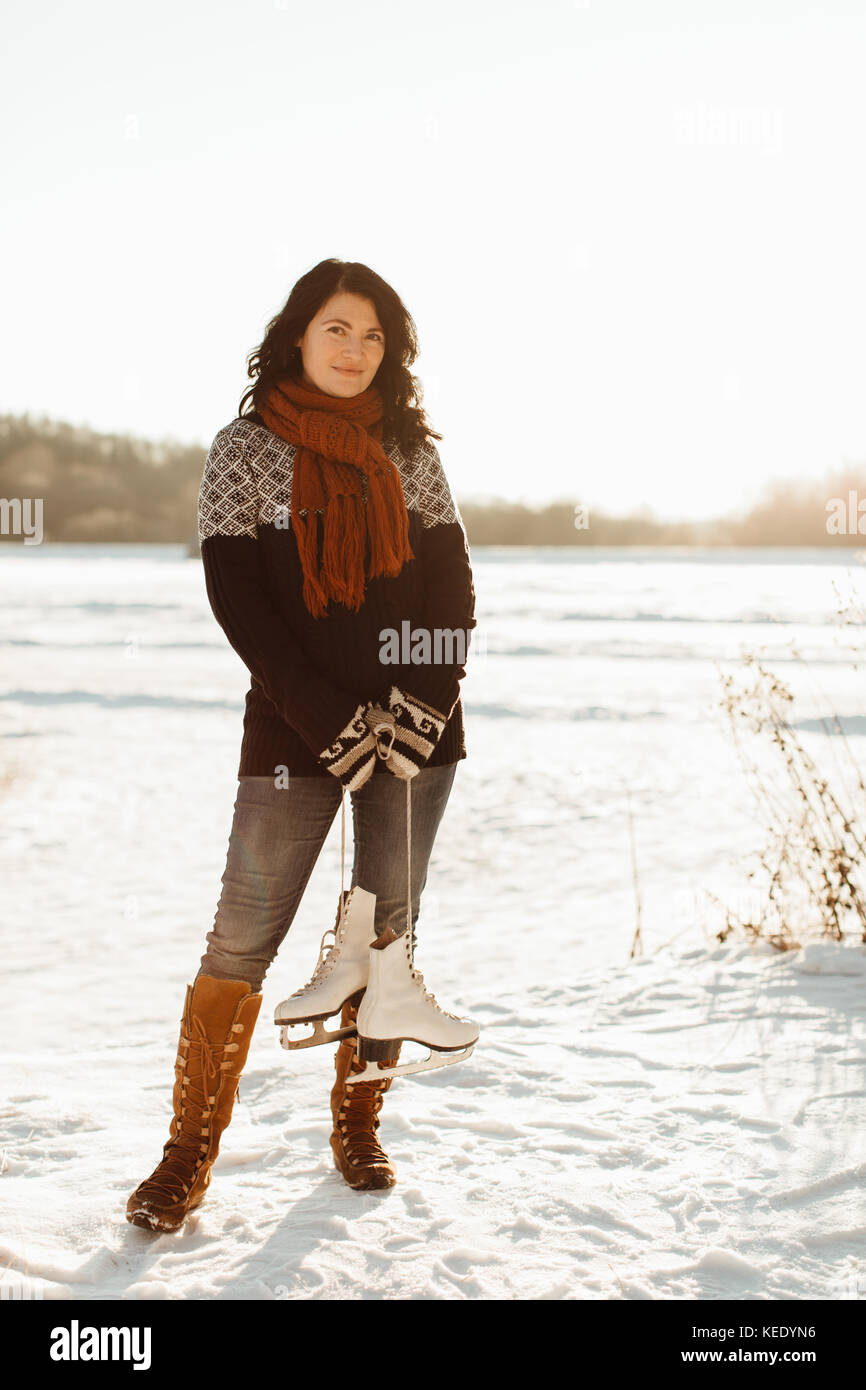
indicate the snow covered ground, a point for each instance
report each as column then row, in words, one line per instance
column 684, row 1125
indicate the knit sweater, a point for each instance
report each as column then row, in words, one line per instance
column 308, row 675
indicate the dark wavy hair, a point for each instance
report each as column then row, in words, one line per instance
column 277, row 355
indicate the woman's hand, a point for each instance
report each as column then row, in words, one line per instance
column 406, row 729
column 352, row 755
column 383, row 727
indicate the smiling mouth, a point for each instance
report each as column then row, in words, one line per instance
column 349, row 371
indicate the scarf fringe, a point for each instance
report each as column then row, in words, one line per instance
column 343, row 551
column 387, row 557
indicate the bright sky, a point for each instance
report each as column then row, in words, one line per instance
column 632, row 234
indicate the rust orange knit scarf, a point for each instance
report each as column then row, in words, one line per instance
column 336, row 439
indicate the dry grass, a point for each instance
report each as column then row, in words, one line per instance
column 811, row 873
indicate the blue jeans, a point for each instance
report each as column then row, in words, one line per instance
column 275, row 840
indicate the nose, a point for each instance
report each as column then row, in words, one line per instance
column 352, row 351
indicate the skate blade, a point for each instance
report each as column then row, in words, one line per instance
column 434, row 1059
column 318, row 1036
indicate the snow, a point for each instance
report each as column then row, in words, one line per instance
column 681, row 1125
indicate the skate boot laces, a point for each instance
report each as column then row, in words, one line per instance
column 328, row 957
column 429, row 998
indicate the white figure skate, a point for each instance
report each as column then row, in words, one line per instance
column 340, row 975
column 397, row 1008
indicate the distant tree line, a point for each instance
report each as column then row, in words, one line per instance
column 113, row 487
column 100, row 487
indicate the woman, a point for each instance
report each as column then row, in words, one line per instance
column 326, row 524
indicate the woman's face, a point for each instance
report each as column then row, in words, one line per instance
column 342, row 346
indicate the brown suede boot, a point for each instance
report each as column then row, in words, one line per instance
column 215, row 1032
column 357, row 1151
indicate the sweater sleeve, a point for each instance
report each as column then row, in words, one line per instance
column 227, row 519
column 449, row 592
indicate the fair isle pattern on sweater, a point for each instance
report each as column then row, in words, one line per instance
column 224, row 503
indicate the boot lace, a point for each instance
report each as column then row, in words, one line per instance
column 357, row 1119
column 190, row 1140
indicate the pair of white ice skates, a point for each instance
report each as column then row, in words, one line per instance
column 393, row 1004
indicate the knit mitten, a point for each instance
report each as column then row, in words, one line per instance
column 417, row 728
column 352, row 755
